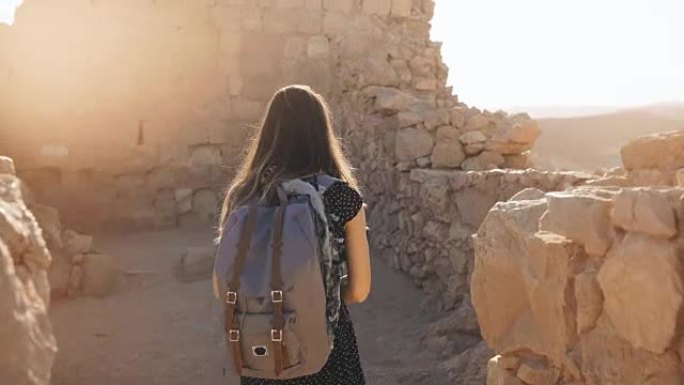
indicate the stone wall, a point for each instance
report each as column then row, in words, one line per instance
column 28, row 345
column 132, row 114
column 584, row 286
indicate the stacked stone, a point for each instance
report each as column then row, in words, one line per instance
column 28, row 344
column 596, row 275
column 76, row 268
column 584, row 286
column 650, row 160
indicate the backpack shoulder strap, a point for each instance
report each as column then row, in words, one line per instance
column 325, row 180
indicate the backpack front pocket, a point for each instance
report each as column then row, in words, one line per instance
column 257, row 346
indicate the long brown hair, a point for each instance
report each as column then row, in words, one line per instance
column 295, row 138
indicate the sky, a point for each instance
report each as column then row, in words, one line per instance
column 523, row 53
column 7, row 10
column 504, row 53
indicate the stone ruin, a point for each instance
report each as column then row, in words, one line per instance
column 152, row 143
column 586, row 286
column 28, row 345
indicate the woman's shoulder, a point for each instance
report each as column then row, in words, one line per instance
column 343, row 200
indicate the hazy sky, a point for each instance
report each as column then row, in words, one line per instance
column 7, row 10
column 504, row 53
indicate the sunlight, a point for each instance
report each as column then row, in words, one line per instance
column 7, row 9
column 504, row 54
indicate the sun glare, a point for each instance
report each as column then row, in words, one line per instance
column 7, row 9
column 504, row 53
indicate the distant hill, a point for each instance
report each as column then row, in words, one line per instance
column 594, row 141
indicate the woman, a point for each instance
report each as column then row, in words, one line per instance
column 296, row 140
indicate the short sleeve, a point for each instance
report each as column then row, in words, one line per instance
column 343, row 201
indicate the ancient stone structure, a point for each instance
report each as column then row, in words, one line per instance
column 586, row 286
column 141, row 109
column 28, row 345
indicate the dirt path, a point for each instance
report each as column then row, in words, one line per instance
column 156, row 330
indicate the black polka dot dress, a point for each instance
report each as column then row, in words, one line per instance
column 342, row 203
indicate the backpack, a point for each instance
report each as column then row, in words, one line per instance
column 269, row 268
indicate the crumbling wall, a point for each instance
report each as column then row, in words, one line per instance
column 586, row 286
column 28, row 345
column 131, row 114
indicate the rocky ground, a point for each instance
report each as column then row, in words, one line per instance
column 156, row 330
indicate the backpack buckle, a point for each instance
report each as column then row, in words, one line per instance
column 276, row 296
column 234, row 335
column 276, row 335
column 231, row 297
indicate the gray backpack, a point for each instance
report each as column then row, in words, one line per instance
column 269, row 268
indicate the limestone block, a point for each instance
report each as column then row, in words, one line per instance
column 424, row 84
column 609, row 359
column 377, row 7
column 458, row 116
column 583, row 218
column 423, row 67
column 472, row 137
column 486, row 160
column 413, row 143
column 76, row 243
column 644, row 211
column 663, row 151
column 344, row 6
column 526, row 132
column 476, row 122
column 642, row 286
column 401, row 8
column 517, row 161
column 7, row 165
column 205, row 203
column 183, row 200
column 435, row 118
column 205, row 155
column 448, row 154
column 99, row 275
column 520, row 281
column 390, row 99
column 318, row 47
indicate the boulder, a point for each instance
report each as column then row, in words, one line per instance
column 486, row 160
column 521, row 280
column 413, row 143
column 26, row 337
column 642, row 284
column 389, row 99
column 663, row 151
column 644, row 211
column 470, row 367
column 583, row 218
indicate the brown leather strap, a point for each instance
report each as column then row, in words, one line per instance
column 276, row 290
column 232, row 323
